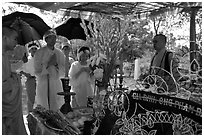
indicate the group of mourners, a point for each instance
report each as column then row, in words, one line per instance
column 43, row 69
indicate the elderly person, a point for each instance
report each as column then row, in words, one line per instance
column 164, row 65
column 12, row 117
column 48, row 63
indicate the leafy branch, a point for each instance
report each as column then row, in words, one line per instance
column 107, row 35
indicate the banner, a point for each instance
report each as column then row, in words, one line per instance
column 148, row 113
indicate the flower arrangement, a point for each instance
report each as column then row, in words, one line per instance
column 107, row 35
column 97, row 63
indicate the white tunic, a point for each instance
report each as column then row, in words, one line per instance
column 82, row 85
column 28, row 67
column 48, row 79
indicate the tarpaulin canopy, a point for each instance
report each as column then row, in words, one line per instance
column 111, row 8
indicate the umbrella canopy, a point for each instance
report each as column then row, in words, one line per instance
column 72, row 29
column 29, row 26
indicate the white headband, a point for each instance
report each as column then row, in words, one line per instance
column 66, row 45
column 32, row 44
column 49, row 33
column 81, row 52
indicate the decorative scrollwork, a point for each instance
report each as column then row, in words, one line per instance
column 118, row 102
column 190, row 70
column 139, row 123
column 161, row 82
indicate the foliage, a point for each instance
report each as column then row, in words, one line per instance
column 170, row 24
column 137, row 40
column 107, row 37
column 199, row 22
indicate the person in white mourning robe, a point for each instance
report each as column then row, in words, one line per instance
column 49, row 66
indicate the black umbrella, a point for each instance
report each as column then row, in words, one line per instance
column 72, row 29
column 29, row 26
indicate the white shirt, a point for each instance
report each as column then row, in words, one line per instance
column 28, row 67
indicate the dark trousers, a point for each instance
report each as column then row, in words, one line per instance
column 31, row 92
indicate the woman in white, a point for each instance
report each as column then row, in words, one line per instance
column 48, row 65
column 80, row 79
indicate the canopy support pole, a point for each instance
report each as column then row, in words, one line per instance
column 193, row 38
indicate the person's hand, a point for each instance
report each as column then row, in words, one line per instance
column 53, row 60
column 86, row 69
column 83, row 69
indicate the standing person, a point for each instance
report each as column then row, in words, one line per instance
column 66, row 49
column 80, row 79
column 163, row 60
column 48, row 63
column 28, row 71
column 68, row 60
column 12, row 116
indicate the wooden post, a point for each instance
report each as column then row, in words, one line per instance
column 121, row 61
column 193, row 38
column 121, row 73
